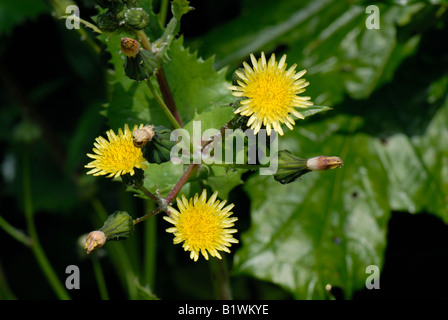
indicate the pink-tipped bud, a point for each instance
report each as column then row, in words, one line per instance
column 95, row 240
column 322, row 163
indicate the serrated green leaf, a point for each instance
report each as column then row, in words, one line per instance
column 178, row 8
column 195, row 85
column 130, row 101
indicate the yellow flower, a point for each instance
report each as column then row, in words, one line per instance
column 271, row 92
column 117, row 155
column 202, row 225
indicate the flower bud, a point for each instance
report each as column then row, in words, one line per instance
column 140, row 64
column 136, row 18
column 118, row 226
column 130, row 47
column 141, row 137
column 290, row 167
column 158, row 150
column 322, row 163
column 95, row 240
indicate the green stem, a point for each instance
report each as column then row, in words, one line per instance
column 150, row 244
column 144, row 40
column 151, row 195
column 220, row 278
column 162, row 104
column 15, row 233
column 187, row 174
column 100, row 279
column 162, row 81
column 36, row 247
column 163, row 12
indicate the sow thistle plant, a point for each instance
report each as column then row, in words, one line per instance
column 267, row 95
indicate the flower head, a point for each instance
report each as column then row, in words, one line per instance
column 202, row 225
column 117, row 155
column 271, row 93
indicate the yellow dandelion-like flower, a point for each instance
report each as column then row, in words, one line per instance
column 202, row 225
column 117, row 155
column 271, row 93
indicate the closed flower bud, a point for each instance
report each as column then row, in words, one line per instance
column 158, row 150
column 136, row 18
column 141, row 137
column 290, row 167
column 140, row 64
column 130, row 47
column 95, row 240
column 118, row 226
column 322, row 163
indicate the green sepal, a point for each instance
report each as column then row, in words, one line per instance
column 118, row 226
column 290, row 167
column 158, row 150
column 142, row 67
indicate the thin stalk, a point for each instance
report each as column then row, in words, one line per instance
column 162, row 104
column 100, row 279
column 220, row 278
column 163, row 12
column 36, row 248
column 187, row 174
column 144, row 40
column 150, row 195
column 149, row 251
column 15, row 233
column 162, row 81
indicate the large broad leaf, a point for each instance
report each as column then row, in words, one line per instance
column 329, row 226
